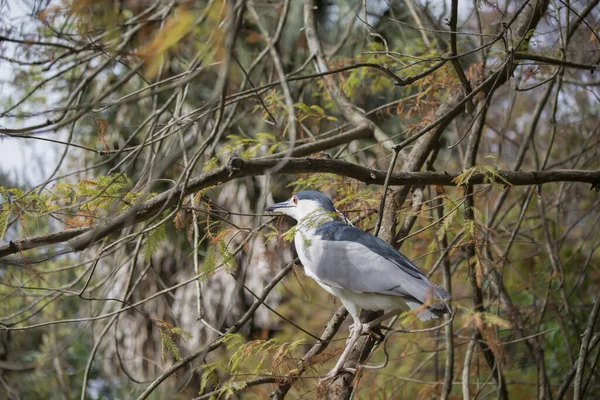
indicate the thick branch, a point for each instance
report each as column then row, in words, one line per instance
column 82, row 238
column 40, row 241
column 555, row 61
column 360, row 132
column 475, row 280
column 584, row 351
column 454, row 51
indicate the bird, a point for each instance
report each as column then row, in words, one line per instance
column 360, row 269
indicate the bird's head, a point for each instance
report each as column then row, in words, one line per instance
column 303, row 204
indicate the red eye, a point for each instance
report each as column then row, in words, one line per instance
column 295, row 200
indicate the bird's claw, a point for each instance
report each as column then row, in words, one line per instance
column 362, row 329
column 365, row 329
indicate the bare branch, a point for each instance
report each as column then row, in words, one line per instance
column 81, row 238
column 555, row 61
column 584, row 350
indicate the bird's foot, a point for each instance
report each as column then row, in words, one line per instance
column 376, row 333
column 362, row 328
column 365, row 329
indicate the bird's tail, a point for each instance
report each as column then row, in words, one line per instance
column 425, row 312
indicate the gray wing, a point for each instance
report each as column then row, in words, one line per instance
column 355, row 260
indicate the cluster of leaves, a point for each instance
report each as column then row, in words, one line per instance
column 248, row 359
column 244, row 147
column 368, row 80
column 168, row 336
column 488, row 167
column 318, row 181
column 78, row 204
column 487, row 323
column 420, row 99
column 154, row 240
column 313, row 114
column 218, row 254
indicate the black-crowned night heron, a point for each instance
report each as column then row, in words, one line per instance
column 363, row 271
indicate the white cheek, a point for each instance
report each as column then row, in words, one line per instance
column 308, row 208
column 290, row 212
column 304, row 208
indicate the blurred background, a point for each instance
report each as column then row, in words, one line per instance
column 107, row 104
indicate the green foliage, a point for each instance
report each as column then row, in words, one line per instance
column 248, row 358
column 4, row 217
column 313, row 113
column 485, row 318
column 318, row 181
column 357, row 80
column 79, row 204
column 446, row 222
column 217, row 255
column 490, row 172
column 210, row 263
column 181, row 52
column 168, row 335
column 273, row 105
column 230, row 339
column 465, row 176
column 492, row 176
column 272, row 232
column 253, row 347
column 102, row 189
column 230, row 387
column 245, row 147
column 290, row 234
column 166, row 342
column 313, row 220
column 208, row 371
column 227, row 257
column 175, row 28
column 209, row 37
column 180, row 332
column 153, row 241
column 523, row 44
column 347, row 194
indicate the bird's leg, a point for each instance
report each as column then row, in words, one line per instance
column 367, row 328
column 362, row 329
column 357, row 330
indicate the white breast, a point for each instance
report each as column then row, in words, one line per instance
column 309, row 249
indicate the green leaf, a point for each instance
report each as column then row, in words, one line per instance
column 4, row 218
column 181, row 333
column 153, row 241
column 315, row 181
column 464, row 177
column 446, row 222
column 318, row 109
column 302, row 106
column 167, row 342
column 208, row 371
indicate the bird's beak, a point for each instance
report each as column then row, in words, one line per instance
column 275, row 207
